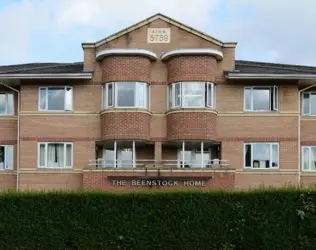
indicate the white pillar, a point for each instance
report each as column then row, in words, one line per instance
column 202, row 154
column 134, row 155
column 115, row 161
column 183, row 149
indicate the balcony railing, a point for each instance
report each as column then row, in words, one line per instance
column 102, row 163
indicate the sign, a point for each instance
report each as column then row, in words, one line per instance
column 161, row 35
column 151, row 181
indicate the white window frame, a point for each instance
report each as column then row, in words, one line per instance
column 7, row 104
column 46, row 149
column 251, row 155
column 172, row 87
column 115, row 99
column 46, row 99
column 5, row 158
column 309, row 160
column 276, row 96
column 309, row 93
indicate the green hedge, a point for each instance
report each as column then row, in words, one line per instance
column 260, row 219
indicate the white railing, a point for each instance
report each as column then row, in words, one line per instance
column 102, row 163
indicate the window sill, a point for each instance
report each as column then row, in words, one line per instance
column 125, row 110
column 47, row 168
column 261, row 169
column 211, row 110
column 56, row 111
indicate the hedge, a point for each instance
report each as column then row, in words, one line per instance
column 259, row 219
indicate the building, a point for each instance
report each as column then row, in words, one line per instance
column 157, row 104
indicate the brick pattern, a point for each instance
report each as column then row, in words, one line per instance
column 125, row 125
column 50, row 181
column 191, row 126
column 192, row 68
column 126, row 68
column 98, row 180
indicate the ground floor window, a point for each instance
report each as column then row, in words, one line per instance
column 193, row 155
column 6, row 157
column 120, row 155
column 309, row 158
column 261, row 155
column 55, row 155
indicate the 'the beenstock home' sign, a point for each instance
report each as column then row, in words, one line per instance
column 161, row 35
column 143, row 181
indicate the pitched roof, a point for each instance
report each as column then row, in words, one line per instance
column 250, row 67
column 42, row 68
column 166, row 19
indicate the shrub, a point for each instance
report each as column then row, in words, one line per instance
column 257, row 219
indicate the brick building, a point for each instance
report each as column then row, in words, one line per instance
column 158, row 104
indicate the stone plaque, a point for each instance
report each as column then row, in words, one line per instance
column 158, row 35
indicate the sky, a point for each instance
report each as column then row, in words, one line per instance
column 280, row 31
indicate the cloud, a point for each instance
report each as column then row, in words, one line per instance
column 53, row 30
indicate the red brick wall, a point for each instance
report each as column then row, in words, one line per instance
column 126, row 68
column 125, row 125
column 192, row 68
column 191, row 126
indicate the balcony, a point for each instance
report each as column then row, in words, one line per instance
column 102, row 163
column 124, row 154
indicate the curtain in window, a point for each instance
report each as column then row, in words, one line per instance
column 42, row 155
column 68, row 99
column 108, row 156
column 55, row 155
column 313, row 158
column 261, row 153
column 313, row 104
column 2, row 103
column 68, row 155
column 2, row 157
column 9, row 157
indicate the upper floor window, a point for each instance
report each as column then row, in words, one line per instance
column 191, row 95
column 261, row 98
column 126, row 95
column 6, row 104
column 309, row 103
column 56, row 98
column 55, row 155
column 261, row 155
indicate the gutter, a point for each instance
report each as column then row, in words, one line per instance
column 47, row 76
column 271, row 76
column 299, row 132
column 18, row 137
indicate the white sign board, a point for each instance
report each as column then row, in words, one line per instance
column 158, row 35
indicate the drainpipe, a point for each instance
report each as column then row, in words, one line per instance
column 299, row 132
column 17, row 137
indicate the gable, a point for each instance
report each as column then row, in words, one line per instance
column 159, row 33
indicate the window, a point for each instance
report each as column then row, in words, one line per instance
column 261, row 155
column 55, row 155
column 309, row 158
column 261, row 98
column 126, row 95
column 56, row 99
column 309, row 103
column 6, row 104
column 191, row 95
column 193, row 158
column 6, row 157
